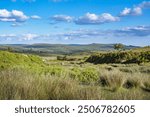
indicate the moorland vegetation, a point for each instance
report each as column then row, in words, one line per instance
column 106, row 75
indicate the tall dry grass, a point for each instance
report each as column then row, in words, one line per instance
column 19, row 84
column 22, row 84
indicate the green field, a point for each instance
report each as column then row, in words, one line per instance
column 98, row 75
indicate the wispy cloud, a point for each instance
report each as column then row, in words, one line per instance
column 35, row 17
column 144, row 4
column 129, row 32
column 16, row 24
column 126, row 33
column 138, row 31
column 61, row 18
column 22, row 37
column 29, row 36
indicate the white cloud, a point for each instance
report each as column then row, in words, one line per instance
column 128, row 33
column 6, row 37
column 138, row 31
column 21, row 37
column 15, row 24
column 4, row 13
column 29, row 36
column 125, row 12
column 129, row 11
column 12, row 16
column 136, row 10
column 35, row 17
column 96, row 19
column 62, row 18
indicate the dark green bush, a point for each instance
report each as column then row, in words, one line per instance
column 120, row 57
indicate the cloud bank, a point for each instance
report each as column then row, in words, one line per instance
column 138, row 31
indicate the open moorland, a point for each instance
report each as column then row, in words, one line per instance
column 111, row 74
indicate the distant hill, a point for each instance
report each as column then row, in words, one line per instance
column 45, row 49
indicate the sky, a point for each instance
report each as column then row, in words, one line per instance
column 75, row 22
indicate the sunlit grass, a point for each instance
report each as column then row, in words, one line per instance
column 30, row 77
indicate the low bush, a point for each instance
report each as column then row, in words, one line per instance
column 120, row 57
column 86, row 75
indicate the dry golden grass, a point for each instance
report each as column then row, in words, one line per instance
column 22, row 84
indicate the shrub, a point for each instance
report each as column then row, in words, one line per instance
column 120, row 57
column 61, row 58
column 86, row 75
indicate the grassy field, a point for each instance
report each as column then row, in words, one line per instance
column 25, row 76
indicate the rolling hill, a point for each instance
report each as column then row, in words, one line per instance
column 46, row 49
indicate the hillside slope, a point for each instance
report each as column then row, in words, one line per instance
column 8, row 59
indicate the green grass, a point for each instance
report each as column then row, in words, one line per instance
column 32, row 77
column 20, row 84
column 8, row 59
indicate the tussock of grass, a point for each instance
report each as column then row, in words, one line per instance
column 146, row 86
column 112, row 79
column 132, row 83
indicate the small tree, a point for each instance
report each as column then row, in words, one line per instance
column 118, row 46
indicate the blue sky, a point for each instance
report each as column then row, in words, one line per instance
column 75, row 21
